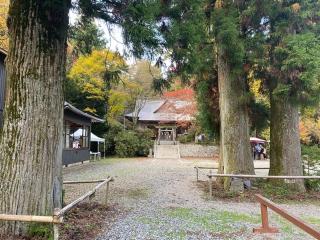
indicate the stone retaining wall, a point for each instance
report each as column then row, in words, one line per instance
column 197, row 150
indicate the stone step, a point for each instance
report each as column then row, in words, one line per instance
column 167, row 151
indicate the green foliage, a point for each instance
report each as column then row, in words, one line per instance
column 126, row 144
column 259, row 115
column 226, row 23
column 114, row 129
column 140, row 31
column 40, row 230
column 208, row 106
column 186, row 138
column 312, row 151
column 275, row 188
column 302, row 64
column 85, row 37
column 311, row 156
column 133, row 143
column 290, row 61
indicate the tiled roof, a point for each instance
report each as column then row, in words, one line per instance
column 181, row 94
column 79, row 112
column 166, row 111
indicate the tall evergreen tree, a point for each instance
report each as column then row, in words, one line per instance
column 84, row 37
column 31, row 140
column 232, row 80
column 290, row 65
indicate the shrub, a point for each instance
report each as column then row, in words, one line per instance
column 126, row 144
column 311, row 165
column 186, row 138
column 114, row 129
column 133, row 143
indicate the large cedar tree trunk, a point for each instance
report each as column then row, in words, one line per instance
column 235, row 154
column 31, row 140
column 285, row 149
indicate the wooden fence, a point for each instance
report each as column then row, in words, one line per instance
column 58, row 214
column 197, row 168
column 265, row 228
column 211, row 175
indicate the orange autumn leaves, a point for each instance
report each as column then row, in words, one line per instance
column 309, row 130
column 4, row 41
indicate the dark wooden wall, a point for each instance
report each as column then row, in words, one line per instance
column 73, row 155
column 2, row 86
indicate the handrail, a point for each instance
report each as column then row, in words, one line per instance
column 57, row 217
column 83, row 197
column 260, row 176
column 87, row 181
column 202, row 167
column 29, row 218
column 265, row 228
column 215, row 168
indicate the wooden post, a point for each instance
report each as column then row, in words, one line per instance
column 55, row 232
column 56, row 226
column 265, row 222
column 210, row 185
column 197, row 172
column 107, row 192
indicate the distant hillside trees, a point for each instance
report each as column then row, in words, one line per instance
column 4, row 39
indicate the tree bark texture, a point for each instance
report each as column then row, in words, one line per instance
column 31, row 139
column 235, row 154
column 285, row 149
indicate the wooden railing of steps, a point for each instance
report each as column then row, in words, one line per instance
column 57, row 217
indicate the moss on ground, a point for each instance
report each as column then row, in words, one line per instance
column 138, row 193
column 212, row 220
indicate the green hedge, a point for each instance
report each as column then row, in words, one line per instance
column 114, row 129
column 133, row 143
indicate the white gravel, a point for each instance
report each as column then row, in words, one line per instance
column 161, row 201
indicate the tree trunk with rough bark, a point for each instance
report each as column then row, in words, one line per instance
column 31, row 139
column 235, row 154
column 285, row 149
column 235, row 141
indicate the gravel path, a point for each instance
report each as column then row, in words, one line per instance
column 159, row 199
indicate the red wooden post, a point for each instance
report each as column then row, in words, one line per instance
column 265, row 222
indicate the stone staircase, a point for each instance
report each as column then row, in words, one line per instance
column 168, row 151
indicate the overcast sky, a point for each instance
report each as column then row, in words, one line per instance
column 112, row 35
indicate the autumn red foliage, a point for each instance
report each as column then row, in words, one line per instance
column 182, row 94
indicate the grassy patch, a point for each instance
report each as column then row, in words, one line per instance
column 177, row 235
column 290, row 230
column 41, row 231
column 313, row 220
column 213, row 221
column 138, row 193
